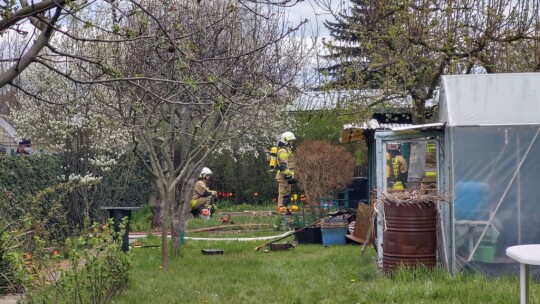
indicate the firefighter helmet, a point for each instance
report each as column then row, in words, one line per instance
column 205, row 171
column 393, row 146
column 287, row 136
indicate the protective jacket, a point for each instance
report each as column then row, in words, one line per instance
column 286, row 164
column 396, row 168
column 201, row 194
column 285, row 174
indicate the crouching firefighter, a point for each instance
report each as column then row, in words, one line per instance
column 203, row 199
column 285, row 170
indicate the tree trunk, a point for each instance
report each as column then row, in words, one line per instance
column 157, row 206
column 179, row 224
column 165, row 220
column 419, row 111
column 175, row 230
column 156, row 215
column 179, row 218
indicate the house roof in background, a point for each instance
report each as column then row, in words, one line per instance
column 332, row 100
column 375, row 124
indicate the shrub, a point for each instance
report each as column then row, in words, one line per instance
column 13, row 243
column 35, row 186
column 323, row 168
column 96, row 269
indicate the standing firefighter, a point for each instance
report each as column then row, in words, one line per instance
column 285, row 169
column 203, row 198
column 396, row 168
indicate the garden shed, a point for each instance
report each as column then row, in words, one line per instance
column 486, row 150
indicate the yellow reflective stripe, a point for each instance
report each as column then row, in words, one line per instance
column 395, row 163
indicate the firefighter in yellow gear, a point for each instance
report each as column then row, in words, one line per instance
column 285, row 169
column 396, row 168
column 202, row 197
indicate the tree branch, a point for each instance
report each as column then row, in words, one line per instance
column 30, row 56
column 30, row 10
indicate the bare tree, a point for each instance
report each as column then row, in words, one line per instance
column 227, row 68
column 36, row 22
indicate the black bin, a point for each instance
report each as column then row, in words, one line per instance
column 117, row 214
column 309, row 235
column 358, row 191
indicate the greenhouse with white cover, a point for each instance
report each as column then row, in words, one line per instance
column 485, row 159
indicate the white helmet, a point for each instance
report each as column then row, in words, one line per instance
column 287, row 136
column 205, row 171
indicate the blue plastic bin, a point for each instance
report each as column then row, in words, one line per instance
column 334, row 236
column 471, row 201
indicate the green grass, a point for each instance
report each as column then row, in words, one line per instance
column 240, row 225
column 141, row 219
column 266, row 224
column 305, row 274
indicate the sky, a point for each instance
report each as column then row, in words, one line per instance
column 315, row 12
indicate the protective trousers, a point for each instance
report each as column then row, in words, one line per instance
column 202, row 202
column 284, row 193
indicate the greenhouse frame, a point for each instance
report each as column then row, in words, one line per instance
column 487, row 148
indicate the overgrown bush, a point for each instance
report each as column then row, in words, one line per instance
column 30, row 188
column 13, row 244
column 21, row 178
column 35, row 186
column 323, row 168
column 46, row 211
column 93, row 269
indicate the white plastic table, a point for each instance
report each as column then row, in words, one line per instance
column 526, row 255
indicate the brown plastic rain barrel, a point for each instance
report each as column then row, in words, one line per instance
column 410, row 238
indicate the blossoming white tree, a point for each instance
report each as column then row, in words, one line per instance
column 75, row 126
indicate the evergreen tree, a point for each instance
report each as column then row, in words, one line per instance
column 348, row 58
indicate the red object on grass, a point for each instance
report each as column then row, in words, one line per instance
column 226, row 219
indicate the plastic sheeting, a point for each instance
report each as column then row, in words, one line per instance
column 491, row 99
column 496, row 193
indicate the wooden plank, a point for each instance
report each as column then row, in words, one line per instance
column 364, row 219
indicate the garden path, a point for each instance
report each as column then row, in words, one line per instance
column 10, row 299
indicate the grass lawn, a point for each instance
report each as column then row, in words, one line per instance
column 305, row 274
